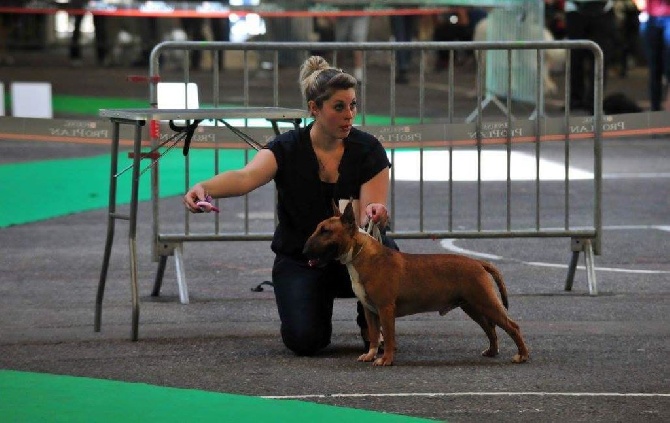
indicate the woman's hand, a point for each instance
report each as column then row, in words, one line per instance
column 377, row 213
column 195, row 194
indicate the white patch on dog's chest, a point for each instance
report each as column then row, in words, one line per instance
column 358, row 287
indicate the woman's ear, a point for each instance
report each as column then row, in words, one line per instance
column 312, row 108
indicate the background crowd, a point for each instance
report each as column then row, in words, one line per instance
column 630, row 33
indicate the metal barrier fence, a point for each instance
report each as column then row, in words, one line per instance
column 426, row 134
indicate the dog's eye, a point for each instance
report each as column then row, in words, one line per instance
column 325, row 230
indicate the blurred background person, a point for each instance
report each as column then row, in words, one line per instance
column 403, row 28
column 655, row 34
column 457, row 24
column 628, row 17
column 353, row 29
column 588, row 20
column 101, row 41
column 150, row 35
column 554, row 18
column 11, row 26
column 195, row 31
column 8, row 23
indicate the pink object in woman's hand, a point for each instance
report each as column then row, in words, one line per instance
column 206, row 205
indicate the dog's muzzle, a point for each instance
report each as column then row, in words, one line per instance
column 319, row 258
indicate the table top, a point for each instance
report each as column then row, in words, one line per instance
column 272, row 113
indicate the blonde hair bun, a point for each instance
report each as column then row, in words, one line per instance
column 309, row 71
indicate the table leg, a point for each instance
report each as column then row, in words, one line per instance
column 111, row 221
column 132, row 229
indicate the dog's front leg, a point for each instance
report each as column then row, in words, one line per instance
column 387, row 320
column 373, row 335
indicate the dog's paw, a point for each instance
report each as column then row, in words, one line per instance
column 490, row 352
column 368, row 356
column 518, row 358
column 383, row 361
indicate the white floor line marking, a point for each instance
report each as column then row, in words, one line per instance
column 474, row 394
column 600, row 269
column 449, row 244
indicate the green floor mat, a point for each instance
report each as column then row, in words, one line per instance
column 64, row 186
column 80, row 105
column 34, row 397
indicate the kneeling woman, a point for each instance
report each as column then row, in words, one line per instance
column 327, row 160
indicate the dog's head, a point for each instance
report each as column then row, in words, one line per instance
column 332, row 237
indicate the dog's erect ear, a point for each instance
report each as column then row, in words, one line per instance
column 348, row 217
column 336, row 209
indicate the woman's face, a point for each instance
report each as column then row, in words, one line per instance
column 336, row 116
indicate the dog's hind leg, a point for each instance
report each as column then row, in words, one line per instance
column 513, row 330
column 492, row 310
column 489, row 329
column 499, row 316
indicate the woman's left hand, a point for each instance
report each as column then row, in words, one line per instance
column 377, row 213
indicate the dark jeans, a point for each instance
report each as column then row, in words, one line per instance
column 305, row 297
column 403, row 30
column 656, row 36
column 195, row 32
column 590, row 23
column 101, row 42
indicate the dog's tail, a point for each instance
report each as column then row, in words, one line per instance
column 497, row 277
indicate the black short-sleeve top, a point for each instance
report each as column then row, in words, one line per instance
column 303, row 200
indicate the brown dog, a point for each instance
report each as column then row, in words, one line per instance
column 391, row 284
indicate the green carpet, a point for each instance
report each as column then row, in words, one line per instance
column 65, row 186
column 91, row 106
column 33, row 397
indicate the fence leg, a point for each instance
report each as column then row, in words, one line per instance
column 488, row 100
column 578, row 245
column 181, row 274
column 571, row 271
column 590, row 268
column 160, row 272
